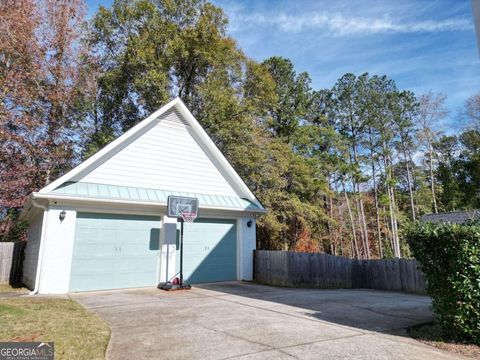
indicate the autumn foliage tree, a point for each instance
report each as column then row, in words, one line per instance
column 44, row 88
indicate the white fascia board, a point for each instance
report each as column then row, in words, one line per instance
column 93, row 201
column 105, row 152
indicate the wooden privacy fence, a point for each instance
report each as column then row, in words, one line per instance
column 292, row 269
column 11, row 260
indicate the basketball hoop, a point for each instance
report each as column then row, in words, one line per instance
column 188, row 216
column 185, row 209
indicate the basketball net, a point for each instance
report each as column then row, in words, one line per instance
column 188, row 216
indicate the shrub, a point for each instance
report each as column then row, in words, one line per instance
column 11, row 228
column 449, row 256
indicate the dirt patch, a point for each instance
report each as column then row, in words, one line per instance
column 432, row 335
column 26, row 338
column 468, row 350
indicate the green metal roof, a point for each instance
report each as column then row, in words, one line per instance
column 115, row 192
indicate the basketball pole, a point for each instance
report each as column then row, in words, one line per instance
column 181, row 251
column 177, row 207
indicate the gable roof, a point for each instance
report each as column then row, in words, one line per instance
column 141, row 128
column 165, row 157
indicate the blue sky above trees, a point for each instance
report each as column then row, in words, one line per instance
column 423, row 45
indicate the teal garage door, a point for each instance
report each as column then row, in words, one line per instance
column 209, row 252
column 114, row 251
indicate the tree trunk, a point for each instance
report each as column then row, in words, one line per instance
column 397, row 252
column 341, row 223
column 365, row 229
column 333, row 236
column 375, row 192
column 377, row 215
column 389, row 231
column 394, row 216
column 409, row 182
column 352, row 222
column 361, row 216
column 359, row 219
column 391, row 204
column 432, row 179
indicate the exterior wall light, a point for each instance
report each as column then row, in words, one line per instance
column 62, row 215
column 249, row 223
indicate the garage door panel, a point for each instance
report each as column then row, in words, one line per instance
column 133, row 264
column 83, row 283
column 114, row 251
column 94, row 248
column 94, row 264
column 210, row 251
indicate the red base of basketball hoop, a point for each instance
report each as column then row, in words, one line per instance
column 174, row 285
column 186, row 210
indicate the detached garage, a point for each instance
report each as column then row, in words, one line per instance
column 103, row 225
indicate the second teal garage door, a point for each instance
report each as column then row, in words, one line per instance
column 210, row 251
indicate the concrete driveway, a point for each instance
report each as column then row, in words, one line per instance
column 248, row 321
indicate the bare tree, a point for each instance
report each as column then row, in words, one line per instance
column 404, row 108
column 431, row 112
column 472, row 111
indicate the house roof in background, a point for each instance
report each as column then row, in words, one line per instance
column 454, row 217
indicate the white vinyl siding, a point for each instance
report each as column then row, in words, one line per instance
column 166, row 157
column 31, row 251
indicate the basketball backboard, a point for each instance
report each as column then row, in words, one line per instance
column 181, row 205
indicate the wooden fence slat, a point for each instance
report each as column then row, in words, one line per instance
column 321, row 270
column 6, row 250
column 11, row 262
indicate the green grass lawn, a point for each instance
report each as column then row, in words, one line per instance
column 77, row 333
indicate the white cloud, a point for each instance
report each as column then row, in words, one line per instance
column 341, row 25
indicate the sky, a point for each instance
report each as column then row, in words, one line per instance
column 423, row 45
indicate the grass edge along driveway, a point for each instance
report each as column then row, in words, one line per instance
column 77, row 333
